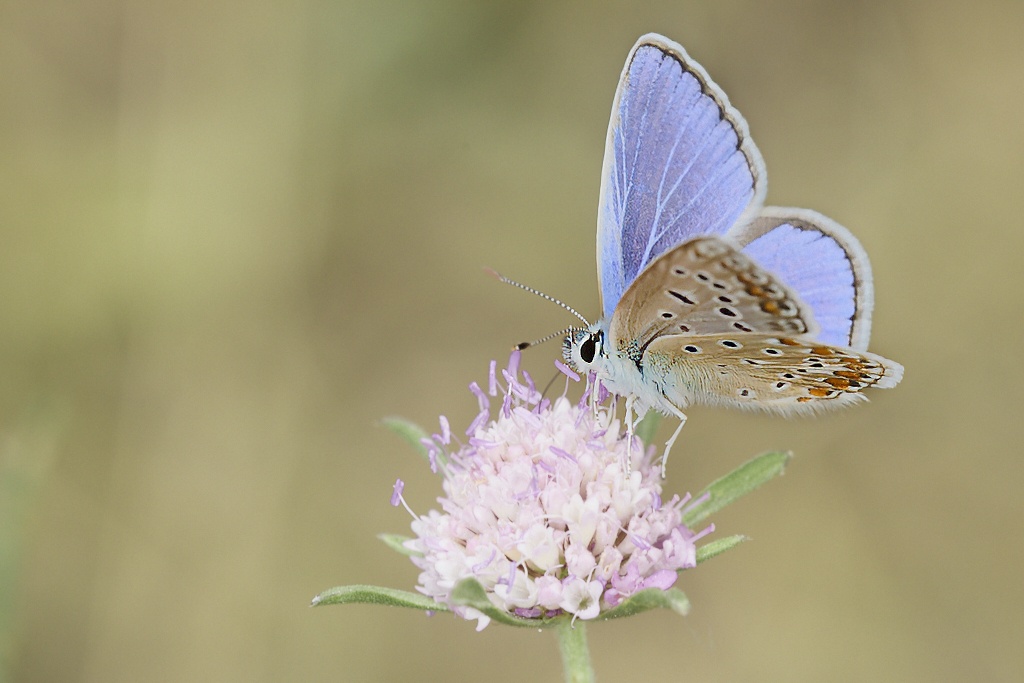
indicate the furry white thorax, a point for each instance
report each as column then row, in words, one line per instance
column 620, row 374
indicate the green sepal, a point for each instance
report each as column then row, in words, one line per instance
column 648, row 599
column 736, row 484
column 376, row 595
column 413, row 434
column 396, row 541
column 719, row 546
column 470, row 593
column 409, row 431
column 648, row 426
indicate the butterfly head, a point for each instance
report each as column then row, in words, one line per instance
column 583, row 348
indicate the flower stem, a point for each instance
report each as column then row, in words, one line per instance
column 572, row 640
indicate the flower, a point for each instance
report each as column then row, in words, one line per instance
column 548, row 507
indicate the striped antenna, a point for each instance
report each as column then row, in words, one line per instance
column 542, row 295
column 560, row 333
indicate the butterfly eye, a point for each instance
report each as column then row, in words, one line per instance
column 588, row 349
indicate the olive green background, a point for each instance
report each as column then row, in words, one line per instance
column 233, row 235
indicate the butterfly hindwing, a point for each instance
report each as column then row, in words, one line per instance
column 705, row 323
column 679, row 163
column 822, row 262
column 778, row 373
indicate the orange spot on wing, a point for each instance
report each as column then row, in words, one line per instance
column 838, row 382
column 819, row 392
column 789, row 342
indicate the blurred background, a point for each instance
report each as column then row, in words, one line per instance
column 234, row 235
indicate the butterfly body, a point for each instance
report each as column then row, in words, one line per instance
column 708, row 296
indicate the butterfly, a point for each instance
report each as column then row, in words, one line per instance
column 708, row 296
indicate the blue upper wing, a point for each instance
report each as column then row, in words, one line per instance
column 678, row 163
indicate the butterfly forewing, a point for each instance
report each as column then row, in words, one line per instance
column 705, row 286
column 679, row 163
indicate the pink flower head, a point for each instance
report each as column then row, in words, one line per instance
column 541, row 509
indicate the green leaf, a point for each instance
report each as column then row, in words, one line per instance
column 719, row 546
column 736, row 484
column 395, row 542
column 648, row 599
column 409, row 431
column 376, row 595
column 469, row 593
column 648, row 426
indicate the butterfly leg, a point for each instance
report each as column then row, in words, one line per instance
column 671, row 440
column 630, row 428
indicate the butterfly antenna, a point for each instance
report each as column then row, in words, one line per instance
column 560, row 333
column 542, row 295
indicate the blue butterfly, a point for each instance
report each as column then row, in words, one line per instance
column 708, row 296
